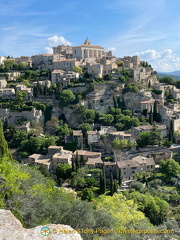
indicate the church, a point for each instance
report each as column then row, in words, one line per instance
column 87, row 50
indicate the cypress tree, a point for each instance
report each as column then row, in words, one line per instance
column 155, row 111
column 115, row 187
column 111, row 185
column 149, row 84
column 104, row 180
column 171, row 131
column 120, row 178
column 73, row 166
column 4, row 151
column 151, row 117
column 101, row 182
column 115, row 105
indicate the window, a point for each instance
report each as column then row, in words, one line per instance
column 133, row 172
column 75, row 51
column 124, row 173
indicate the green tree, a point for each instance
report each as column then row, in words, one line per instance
column 155, row 136
column 103, row 180
column 151, row 117
column 4, row 151
column 66, row 98
column 18, row 137
column 62, row 132
column 108, row 119
column 87, row 194
column 120, row 63
column 143, row 139
column 170, row 168
column 20, row 97
column 111, row 185
column 156, row 115
column 85, row 127
column 77, row 69
column 122, row 144
column 120, row 178
column 88, row 116
column 63, row 171
column 107, row 76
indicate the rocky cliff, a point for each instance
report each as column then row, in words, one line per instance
column 12, row 229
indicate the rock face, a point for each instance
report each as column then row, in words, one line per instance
column 12, row 229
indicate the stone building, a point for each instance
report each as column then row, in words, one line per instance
column 66, row 65
column 92, row 137
column 62, row 52
column 139, row 164
column 78, row 137
column 3, row 82
column 88, row 51
column 43, row 60
column 146, row 128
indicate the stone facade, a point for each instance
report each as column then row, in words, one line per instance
column 88, row 51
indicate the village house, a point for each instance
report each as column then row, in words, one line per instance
column 3, row 82
column 66, row 65
column 106, row 129
column 84, row 155
column 92, row 137
column 121, row 135
column 176, row 93
column 7, row 92
column 43, row 83
column 138, row 164
column 38, row 159
column 42, row 61
column 12, row 75
column 149, row 105
column 62, row 52
column 64, row 156
column 24, row 59
column 2, row 59
column 78, row 137
column 146, row 128
column 23, row 88
column 110, row 167
column 93, row 163
column 56, row 155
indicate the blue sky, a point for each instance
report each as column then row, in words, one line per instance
column 148, row 28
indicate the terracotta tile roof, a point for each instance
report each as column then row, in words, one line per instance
column 88, row 46
column 87, row 153
column 94, row 160
column 91, row 132
column 149, row 127
column 77, row 133
column 136, row 162
column 150, row 101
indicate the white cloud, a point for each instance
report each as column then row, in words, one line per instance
column 48, row 50
column 113, row 49
column 55, row 41
column 165, row 61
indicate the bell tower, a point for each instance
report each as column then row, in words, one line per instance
column 87, row 42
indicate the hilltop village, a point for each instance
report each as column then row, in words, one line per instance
column 102, row 100
column 82, row 114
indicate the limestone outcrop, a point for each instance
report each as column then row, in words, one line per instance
column 12, row 229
